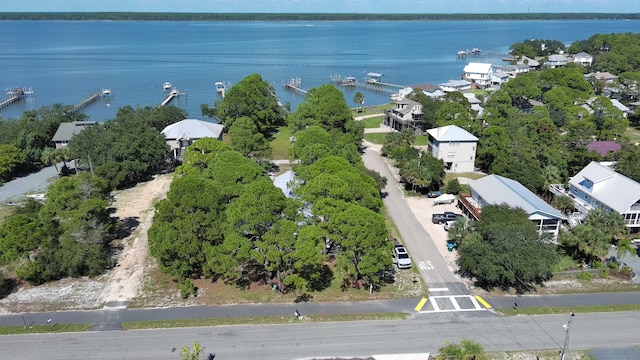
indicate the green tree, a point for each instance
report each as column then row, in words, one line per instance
column 192, row 353
column 232, row 172
column 506, row 251
column 623, row 248
column 628, row 161
column 200, row 154
column 246, row 139
column 254, row 98
column 563, row 203
column 11, row 157
column 358, row 99
column 364, row 248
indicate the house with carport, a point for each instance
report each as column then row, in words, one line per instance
column 455, row 146
column 184, row 133
column 497, row 190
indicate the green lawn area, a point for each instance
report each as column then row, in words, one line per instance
column 422, row 140
column 280, row 143
column 372, row 123
column 33, row 329
column 633, row 134
column 474, row 176
column 565, row 263
column 376, row 138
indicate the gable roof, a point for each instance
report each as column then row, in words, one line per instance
column 614, row 190
column 451, row 133
column 582, row 54
column 557, row 57
column 66, row 130
column 284, row 183
column 192, row 129
column 478, row 68
column 496, row 190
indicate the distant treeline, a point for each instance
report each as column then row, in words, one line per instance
column 123, row 16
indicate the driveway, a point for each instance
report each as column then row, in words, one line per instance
column 38, row 182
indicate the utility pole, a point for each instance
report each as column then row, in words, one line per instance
column 567, row 337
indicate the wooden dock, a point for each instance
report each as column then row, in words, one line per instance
column 93, row 97
column 294, row 84
column 14, row 95
column 172, row 95
column 371, row 86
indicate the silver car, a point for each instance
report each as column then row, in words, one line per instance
column 401, row 257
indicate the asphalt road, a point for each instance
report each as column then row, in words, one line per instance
column 436, row 273
column 32, row 183
column 304, row 340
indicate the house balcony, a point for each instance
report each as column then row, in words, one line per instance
column 469, row 206
column 580, row 205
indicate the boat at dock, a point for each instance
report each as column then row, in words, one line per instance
column 349, row 81
column 106, row 92
column 220, row 86
column 167, row 86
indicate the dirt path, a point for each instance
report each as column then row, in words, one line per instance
column 126, row 278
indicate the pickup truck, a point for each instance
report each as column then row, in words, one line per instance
column 444, row 217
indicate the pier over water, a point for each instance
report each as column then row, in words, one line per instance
column 14, row 95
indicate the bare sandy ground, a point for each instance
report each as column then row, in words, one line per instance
column 121, row 283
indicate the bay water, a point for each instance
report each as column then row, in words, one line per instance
column 66, row 61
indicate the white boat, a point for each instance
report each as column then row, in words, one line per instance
column 167, row 86
column 175, row 92
column 349, row 81
column 106, row 92
column 219, row 86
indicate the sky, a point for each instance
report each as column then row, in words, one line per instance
column 324, row 6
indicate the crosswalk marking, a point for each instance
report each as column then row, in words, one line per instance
column 477, row 304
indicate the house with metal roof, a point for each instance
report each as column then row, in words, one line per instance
column 183, row 133
column 496, row 190
column 406, row 114
column 455, row 85
column 67, row 130
column 598, row 186
column 479, row 74
column 455, row 146
column 583, row 59
column 555, row 61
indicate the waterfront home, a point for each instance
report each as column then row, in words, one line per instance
column 496, row 190
column 184, row 133
column 499, row 78
column 556, row 61
column 455, row 146
column 430, row 90
column 597, row 186
column 67, row 130
column 531, row 63
column 455, row 85
column 583, row 59
column 514, row 70
column 406, row 114
column 479, row 74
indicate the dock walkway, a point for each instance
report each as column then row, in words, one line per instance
column 294, row 84
column 14, row 95
column 93, row 97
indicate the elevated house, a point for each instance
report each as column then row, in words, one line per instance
column 406, row 114
column 184, row 133
column 556, row 61
column 455, row 146
column 531, row 63
column 430, row 90
column 496, row 190
column 455, row 85
column 599, row 187
column 67, row 130
column 499, row 78
column 515, row 69
column 479, row 74
column 583, row 59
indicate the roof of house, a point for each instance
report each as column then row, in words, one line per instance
column 502, row 75
column 529, row 62
column 66, row 130
column 478, row 68
column 616, row 191
column 455, row 83
column 451, row 133
column 604, row 147
column 496, row 190
column 619, row 105
column 427, row 87
column 192, row 129
column 515, row 67
column 283, row 182
column 605, row 75
column 557, row 57
column 582, row 54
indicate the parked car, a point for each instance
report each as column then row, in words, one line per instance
column 444, row 199
column 444, row 217
column 401, row 257
column 434, row 194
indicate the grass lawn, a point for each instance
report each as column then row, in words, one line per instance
column 422, row 140
column 35, row 329
column 633, row 134
column 448, row 176
column 376, row 138
column 280, row 144
column 566, row 262
column 372, row 123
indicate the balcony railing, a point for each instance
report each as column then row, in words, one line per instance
column 466, row 201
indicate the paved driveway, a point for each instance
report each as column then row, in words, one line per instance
column 14, row 190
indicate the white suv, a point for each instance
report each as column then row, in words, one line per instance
column 400, row 257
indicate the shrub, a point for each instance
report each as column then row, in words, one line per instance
column 453, row 186
column 605, row 273
column 584, row 276
column 187, row 288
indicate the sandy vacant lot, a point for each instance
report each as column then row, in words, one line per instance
column 123, row 282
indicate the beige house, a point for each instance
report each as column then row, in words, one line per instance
column 455, row 146
column 406, row 114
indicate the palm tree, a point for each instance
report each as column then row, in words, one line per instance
column 624, row 248
column 563, row 203
column 49, row 157
column 358, row 98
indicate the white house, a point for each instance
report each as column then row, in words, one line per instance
column 514, row 70
column 531, row 63
column 184, row 133
column 479, row 74
column 556, row 60
column 499, row 78
column 583, row 59
column 455, row 85
column 496, row 190
column 455, row 146
column 598, row 186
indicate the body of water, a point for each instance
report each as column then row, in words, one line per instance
column 65, row 62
